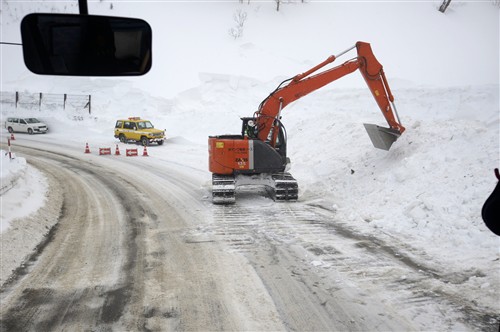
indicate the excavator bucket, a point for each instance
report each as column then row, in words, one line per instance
column 382, row 138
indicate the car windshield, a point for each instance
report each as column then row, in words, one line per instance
column 144, row 125
column 32, row 120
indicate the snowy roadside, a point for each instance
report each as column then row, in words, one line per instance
column 23, row 189
column 27, row 212
column 12, row 170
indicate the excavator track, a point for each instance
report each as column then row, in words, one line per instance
column 223, row 187
column 285, row 187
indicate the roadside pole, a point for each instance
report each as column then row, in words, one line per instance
column 10, row 153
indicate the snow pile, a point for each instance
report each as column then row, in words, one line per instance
column 23, row 213
column 23, row 189
column 12, row 169
column 27, row 217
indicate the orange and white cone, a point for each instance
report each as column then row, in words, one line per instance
column 117, row 151
column 12, row 138
column 145, row 152
column 87, row 149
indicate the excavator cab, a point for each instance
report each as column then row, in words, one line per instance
column 249, row 128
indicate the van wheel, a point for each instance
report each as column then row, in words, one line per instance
column 30, row 131
column 10, row 130
column 122, row 138
column 144, row 141
column 160, row 142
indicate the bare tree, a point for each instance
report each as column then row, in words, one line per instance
column 239, row 17
column 444, row 5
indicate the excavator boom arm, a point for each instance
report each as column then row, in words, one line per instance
column 305, row 83
column 374, row 76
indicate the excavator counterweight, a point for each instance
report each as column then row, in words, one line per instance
column 258, row 156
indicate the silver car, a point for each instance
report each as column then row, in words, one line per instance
column 26, row 125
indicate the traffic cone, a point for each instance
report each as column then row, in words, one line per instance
column 12, row 138
column 145, row 152
column 87, row 149
column 117, row 151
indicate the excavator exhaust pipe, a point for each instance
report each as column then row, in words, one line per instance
column 381, row 137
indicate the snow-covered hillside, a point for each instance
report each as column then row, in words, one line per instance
column 416, row 43
column 443, row 69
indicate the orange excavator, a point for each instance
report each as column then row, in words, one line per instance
column 258, row 155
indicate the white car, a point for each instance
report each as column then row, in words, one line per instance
column 26, row 125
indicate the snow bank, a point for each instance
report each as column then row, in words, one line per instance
column 12, row 169
column 429, row 188
column 26, row 215
column 27, row 220
column 23, row 189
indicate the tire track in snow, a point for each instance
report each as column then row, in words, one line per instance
column 61, row 305
column 326, row 254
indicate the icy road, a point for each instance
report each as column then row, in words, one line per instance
column 138, row 246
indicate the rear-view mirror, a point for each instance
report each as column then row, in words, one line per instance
column 86, row 45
